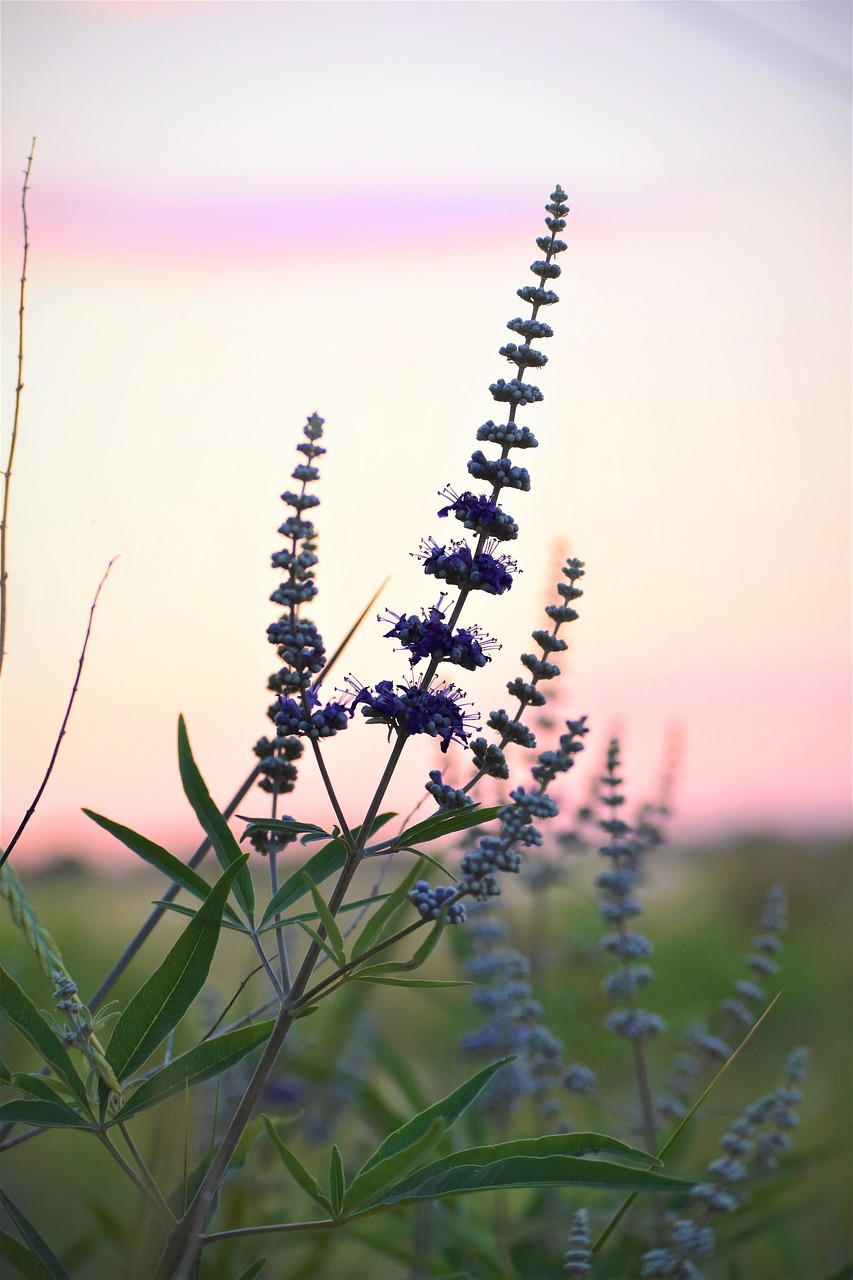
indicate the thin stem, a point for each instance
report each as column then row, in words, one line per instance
column 384, row 782
column 321, row 987
column 7, row 474
column 283, row 964
column 147, row 1176
column 247, row 1018
column 162, row 1209
column 330, row 792
column 16, row 837
column 267, row 967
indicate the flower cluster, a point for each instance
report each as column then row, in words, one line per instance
column 430, row 902
column 496, row 853
column 430, row 637
column 296, row 712
column 578, row 1261
column 439, row 711
column 433, row 637
column 620, row 904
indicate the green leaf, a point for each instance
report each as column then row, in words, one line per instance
column 296, row 1168
column 230, row 919
column 375, row 926
column 445, row 824
column 337, row 1183
column 20, row 1258
column 430, row 942
column 323, row 864
column 222, row 839
column 383, row 1173
column 374, row 971
column 37, row 1086
column 253, row 1270
column 39, row 1247
column 210, row 1058
column 47, row 1115
column 158, row 857
column 163, row 1000
column 312, row 915
column 399, row 1069
column 322, row 943
column 333, row 933
column 405, row 982
column 447, row 1109
column 20, row 1010
column 530, row 1162
column 284, row 827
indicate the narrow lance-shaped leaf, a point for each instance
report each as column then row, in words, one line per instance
column 284, row 827
column 368, row 1185
column 156, row 856
column 210, row 1058
column 163, row 1000
column 45, row 1115
column 39, row 1247
column 333, row 933
column 21, row 1258
column 446, row 824
column 430, row 942
column 222, row 839
column 20, row 1010
column 230, row 920
column 447, row 1109
column 337, row 1184
column 307, row 916
column 375, row 926
column 254, row 1270
column 296, row 1168
column 534, row 1162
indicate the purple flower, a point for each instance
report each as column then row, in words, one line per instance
column 431, row 637
column 479, row 513
column 305, row 717
column 456, row 564
column 438, row 711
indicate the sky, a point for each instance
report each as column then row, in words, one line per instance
column 242, row 213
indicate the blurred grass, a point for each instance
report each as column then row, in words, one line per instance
column 703, row 905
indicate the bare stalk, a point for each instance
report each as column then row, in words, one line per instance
column 7, row 474
column 63, row 726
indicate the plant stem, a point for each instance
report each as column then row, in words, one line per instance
column 161, row 1208
column 7, row 474
column 147, row 1176
column 62, row 727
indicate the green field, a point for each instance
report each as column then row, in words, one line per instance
column 372, row 1055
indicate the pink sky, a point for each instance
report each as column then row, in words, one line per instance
column 347, row 235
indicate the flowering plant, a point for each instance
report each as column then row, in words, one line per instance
column 317, row 950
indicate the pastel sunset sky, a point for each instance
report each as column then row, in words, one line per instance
column 244, row 212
